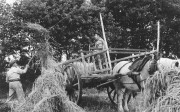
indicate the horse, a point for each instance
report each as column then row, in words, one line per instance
column 126, row 85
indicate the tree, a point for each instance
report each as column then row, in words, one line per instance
column 7, row 30
column 128, row 23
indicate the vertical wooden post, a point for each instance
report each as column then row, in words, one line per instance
column 89, row 47
column 133, row 59
column 88, row 59
column 104, row 37
column 99, row 61
column 158, row 36
column 84, row 63
column 106, row 61
column 94, row 63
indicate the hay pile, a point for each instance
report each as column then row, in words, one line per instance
column 162, row 92
column 48, row 93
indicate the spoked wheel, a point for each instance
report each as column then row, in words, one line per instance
column 112, row 94
column 73, row 83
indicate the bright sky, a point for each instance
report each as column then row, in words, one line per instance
column 10, row 1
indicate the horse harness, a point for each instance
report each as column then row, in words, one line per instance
column 135, row 71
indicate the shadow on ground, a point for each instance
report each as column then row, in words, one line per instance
column 95, row 101
column 3, row 96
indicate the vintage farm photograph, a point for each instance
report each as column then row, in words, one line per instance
column 89, row 55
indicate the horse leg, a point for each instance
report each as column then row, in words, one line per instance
column 119, row 91
column 126, row 96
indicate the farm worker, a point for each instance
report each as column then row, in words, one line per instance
column 13, row 78
column 100, row 44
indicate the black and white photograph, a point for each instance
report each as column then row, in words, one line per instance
column 89, row 55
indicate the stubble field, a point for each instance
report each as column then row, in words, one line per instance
column 92, row 101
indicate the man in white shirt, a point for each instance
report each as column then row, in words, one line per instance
column 13, row 78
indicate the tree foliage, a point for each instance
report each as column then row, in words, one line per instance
column 72, row 23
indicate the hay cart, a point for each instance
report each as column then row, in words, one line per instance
column 83, row 76
column 88, row 71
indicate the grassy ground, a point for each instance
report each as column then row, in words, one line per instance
column 92, row 101
column 3, row 97
column 98, row 101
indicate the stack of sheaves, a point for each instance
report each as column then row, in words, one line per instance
column 162, row 92
column 48, row 94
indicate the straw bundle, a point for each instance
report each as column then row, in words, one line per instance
column 48, row 92
column 162, row 91
column 84, row 68
column 170, row 101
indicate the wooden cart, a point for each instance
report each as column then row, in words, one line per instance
column 83, row 76
column 89, row 71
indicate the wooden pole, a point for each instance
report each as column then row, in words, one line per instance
column 84, row 63
column 106, row 45
column 123, row 49
column 158, row 36
column 134, row 56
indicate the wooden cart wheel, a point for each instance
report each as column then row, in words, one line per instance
column 112, row 94
column 73, row 83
